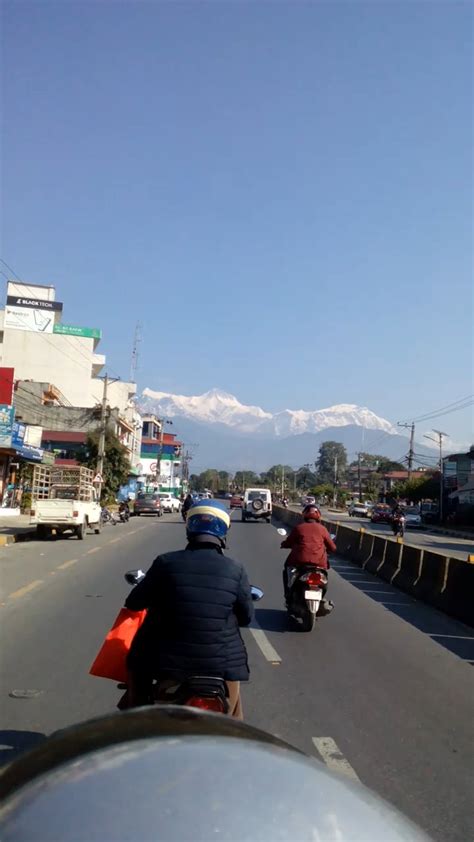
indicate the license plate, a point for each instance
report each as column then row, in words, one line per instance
column 316, row 596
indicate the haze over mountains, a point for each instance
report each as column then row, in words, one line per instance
column 232, row 435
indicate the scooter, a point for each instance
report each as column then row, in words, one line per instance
column 206, row 692
column 306, row 589
column 124, row 513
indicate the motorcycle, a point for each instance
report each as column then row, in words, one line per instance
column 124, row 513
column 206, row 692
column 306, row 589
column 398, row 526
column 106, row 516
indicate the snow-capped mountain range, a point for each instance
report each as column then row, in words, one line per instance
column 218, row 407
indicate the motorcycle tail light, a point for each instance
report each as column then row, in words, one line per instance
column 206, row 703
column 315, row 580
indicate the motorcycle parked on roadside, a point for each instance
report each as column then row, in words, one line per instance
column 306, row 588
column 206, row 692
column 106, row 516
column 124, row 512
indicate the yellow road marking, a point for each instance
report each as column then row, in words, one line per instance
column 22, row 591
column 67, row 564
column 115, row 540
column 93, row 550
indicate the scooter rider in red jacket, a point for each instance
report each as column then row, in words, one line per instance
column 309, row 543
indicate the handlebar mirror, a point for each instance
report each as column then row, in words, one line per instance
column 333, row 536
column 133, row 577
column 282, row 532
column 257, row 593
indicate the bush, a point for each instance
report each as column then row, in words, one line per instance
column 26, row 502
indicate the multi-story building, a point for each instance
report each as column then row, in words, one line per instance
column 160, row 462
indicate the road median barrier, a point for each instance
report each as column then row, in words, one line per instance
column 410, row 568
column 392, row 560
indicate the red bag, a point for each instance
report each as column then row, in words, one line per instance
column 111, row 658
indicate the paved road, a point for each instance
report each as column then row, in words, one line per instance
column 454, row 547
column 384, row 679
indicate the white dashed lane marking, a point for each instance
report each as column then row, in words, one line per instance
column 264, row 644
column 333, row 757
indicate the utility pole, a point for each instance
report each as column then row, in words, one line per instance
column 282, row 481
column 439, row 441
column 411, row 451
column 359, row 474
column 103, row 429
column 334, row 499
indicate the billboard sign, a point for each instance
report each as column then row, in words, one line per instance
column 34, row 303
column 23, row 318
column 85, row 332
column 7, row 415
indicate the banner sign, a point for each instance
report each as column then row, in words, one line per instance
column 34, row 303
column 6, row 385
column 18, row 434
column 23, row 318
column 7, row 415
column 86, row 332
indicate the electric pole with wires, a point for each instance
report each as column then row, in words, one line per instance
column 411, row 451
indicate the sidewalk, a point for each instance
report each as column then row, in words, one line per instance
column 14, row 529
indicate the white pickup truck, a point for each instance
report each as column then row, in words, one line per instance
column 64, row 499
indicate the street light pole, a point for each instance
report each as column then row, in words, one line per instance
column 439, row 442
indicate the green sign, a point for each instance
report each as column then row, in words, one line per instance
column 70, row 330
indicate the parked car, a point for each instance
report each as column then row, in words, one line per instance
column 169, row 503
column 236, row 501
column 359, row 510
column 257, row 503
column 147, row 504
column 412, row 516
column 381, row 514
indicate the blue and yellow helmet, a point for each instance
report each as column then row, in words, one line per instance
column 208, row 517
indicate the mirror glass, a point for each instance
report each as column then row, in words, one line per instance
column 133, row 577
column 282, row 532
column 257, row 593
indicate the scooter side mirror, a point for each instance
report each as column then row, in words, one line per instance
column 282, row 532
column 257, row 593
column 333, row 536
column 133, row 577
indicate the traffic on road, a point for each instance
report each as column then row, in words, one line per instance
column 365, row 692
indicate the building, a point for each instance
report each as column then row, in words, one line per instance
column 393, row 478
column 458, row 487
column 40, row 347
column 65, row 428
column 160, row 461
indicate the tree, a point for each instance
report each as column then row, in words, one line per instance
column 382, row 464
column 422, row 488
column 209, row 479
column 224, row 480
column 326, row 460
column 116, row 462
column 244, row 479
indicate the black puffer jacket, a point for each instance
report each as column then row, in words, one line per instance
column 196, row 599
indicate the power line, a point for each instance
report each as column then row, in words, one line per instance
column 461, row 403
column 9, row 269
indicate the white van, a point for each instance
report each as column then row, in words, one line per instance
column 257, row 503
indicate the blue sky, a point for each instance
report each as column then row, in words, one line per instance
column 280, row 192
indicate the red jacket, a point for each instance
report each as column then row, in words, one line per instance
column 309, row 543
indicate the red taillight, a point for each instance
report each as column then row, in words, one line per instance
column 206, row 703
column 315, row 580
column 75, row 514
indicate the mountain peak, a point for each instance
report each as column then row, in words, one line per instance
column 219, row 407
